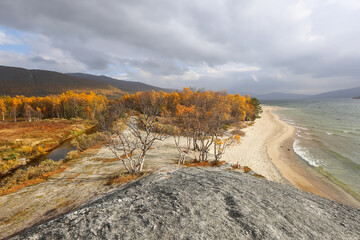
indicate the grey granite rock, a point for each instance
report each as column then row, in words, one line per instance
column 204, row 203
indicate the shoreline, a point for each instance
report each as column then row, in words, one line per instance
column 297, row 171
column 267, row 148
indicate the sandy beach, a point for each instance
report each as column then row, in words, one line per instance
column 267, row 149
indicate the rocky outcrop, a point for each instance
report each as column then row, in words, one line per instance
column 205, row 203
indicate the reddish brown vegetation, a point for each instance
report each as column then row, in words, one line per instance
column 70, row 179
column 204, row 164
column 34, row 181
column 123, row 178
column 236, row 166
column 258, row 175
column 110, row 160
column 246, row 169
column 54, row 129
column 32, row 139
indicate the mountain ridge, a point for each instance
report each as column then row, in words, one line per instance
column 128, row 86
column 342, row 93
column 35, row 82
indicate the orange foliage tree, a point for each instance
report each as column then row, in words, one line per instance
column 3, row 109
column 200, row 118
column 67, row 105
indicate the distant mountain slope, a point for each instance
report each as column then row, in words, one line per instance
column 127, row 86
column 343, row 93
column 20, row 81
column 281, row 96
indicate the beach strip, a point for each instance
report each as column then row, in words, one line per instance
column 267, row 148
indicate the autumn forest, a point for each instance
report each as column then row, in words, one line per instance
column 199, row 122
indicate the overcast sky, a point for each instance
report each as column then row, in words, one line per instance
column 256, row 46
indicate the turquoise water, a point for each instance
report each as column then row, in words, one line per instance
column 327, row 136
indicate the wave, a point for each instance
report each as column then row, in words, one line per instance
column 302, row 128
column 328, row 133
column 288, row 120
column 305, row 154
column 302, row 136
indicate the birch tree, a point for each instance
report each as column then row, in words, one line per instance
column 140, row 130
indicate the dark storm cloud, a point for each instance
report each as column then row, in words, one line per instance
column 43, row 60
column 258, row 45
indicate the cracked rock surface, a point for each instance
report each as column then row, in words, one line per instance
column 204, row 203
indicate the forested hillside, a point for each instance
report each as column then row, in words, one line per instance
column 19, row 81
column 128, row 86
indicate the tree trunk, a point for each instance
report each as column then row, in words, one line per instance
column 141, row 163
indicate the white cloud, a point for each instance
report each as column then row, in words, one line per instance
column 254, row 78
column 7, row 39
column 300, row 11
column 122, row 76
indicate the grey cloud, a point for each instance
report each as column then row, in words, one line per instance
column 312, row 44
column 157, row 66
column 43, row 60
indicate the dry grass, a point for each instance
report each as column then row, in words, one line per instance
column 108, row 160
column 14, row 217
column 22, row 180
column 251, row 123
column 238, row 132
column 21, row 186
column 31, row 139
column 124, row 178
column 11, row 131
column 204, row 164
column 72, row 177
column 63, row 204
column 84, row 141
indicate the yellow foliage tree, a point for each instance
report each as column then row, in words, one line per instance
column 3, row 109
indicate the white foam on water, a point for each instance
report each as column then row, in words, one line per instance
column 305, row 154
column 329, row 133
column 302, row 128
column 288, row 120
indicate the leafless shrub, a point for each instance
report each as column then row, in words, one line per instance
column 140, row 117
